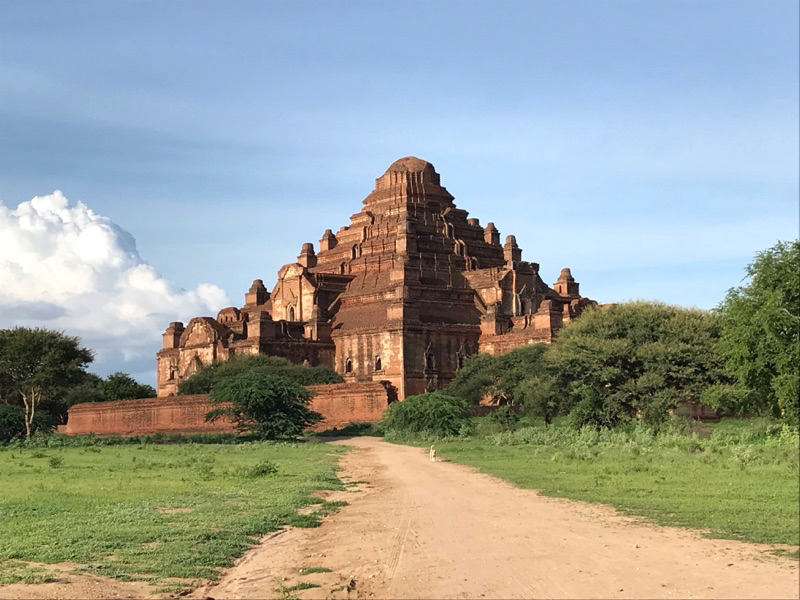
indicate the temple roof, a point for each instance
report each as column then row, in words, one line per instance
column 410, row 164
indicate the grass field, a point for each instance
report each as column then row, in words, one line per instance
column 737, row 480
column 152, row 512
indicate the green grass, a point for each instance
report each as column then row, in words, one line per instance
column 310, row 570
column 149, row 512
column 303, row 585
column 14, row 571
column 737, row 482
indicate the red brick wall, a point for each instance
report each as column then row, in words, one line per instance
column 339, row 403
column 343, row 403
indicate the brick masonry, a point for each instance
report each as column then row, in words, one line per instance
column 339, row 403
column 403, row 293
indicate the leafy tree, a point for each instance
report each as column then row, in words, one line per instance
column 121, row 386
column 435, row 413
column 37, row 364
column 517, row 366
column 637, row 358
column 12, row 422
column 476, row 378
column 760, row 335
column 203, row 380
column 540, row 395
column 86, row 390
column 497, row 376
column 270, row 406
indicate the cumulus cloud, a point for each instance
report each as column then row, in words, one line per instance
column 63, row 266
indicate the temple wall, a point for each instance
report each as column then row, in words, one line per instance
column 500, row 344
column 174, row 414
column 339, row 403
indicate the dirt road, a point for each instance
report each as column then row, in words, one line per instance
column 418, row 529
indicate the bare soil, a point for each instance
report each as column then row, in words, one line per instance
column 70, row 586
column 418, row 529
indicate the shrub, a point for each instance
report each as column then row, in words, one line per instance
column 269, row 406
column 434, row 414
column 504, row 418
column 263, row 469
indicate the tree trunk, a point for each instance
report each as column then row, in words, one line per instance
column 27, row 417
column 29, row 400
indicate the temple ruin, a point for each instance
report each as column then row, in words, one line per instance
column 403, row 294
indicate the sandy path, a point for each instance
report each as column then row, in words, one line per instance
column 423, row 530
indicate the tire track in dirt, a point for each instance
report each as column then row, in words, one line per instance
column 440, row 530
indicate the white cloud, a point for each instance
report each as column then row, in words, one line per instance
column 63, row 266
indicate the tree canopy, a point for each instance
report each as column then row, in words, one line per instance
column 614, row 363
column 121, row 386
column 760, row 335
column 37, row 365
column 497, row 376
column 203, row 380
column 269, row 406
column 640, row 358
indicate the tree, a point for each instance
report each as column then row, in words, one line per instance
column 636, row 358
column 37, row 363
column 270, row 406
column 760, row 335
column 497, row 376
column 203, row 380
column 540, row 396
column 121, row 386
column 12, row 422
column 477, row 378
column 86, row 390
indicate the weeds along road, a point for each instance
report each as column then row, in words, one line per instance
column 418, row 529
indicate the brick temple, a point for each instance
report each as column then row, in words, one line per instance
column 403, row 294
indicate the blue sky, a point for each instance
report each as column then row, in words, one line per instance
column 650, row 146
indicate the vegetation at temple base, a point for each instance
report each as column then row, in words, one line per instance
column 269, row 406
column 760, row 341
column 639, row 358
column 434, row 414
column 608, row 367
column 642, row 360
column 36, row 365
column 147, row 512
column 497, row 377
column 43, row 373
column 736, row 479
column 203, row 380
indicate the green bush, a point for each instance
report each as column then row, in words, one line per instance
column 264, row 468
column 435, row 414
column 12, row 422
column 635, row 359
column 504, row 418
column 203, row 380
column 269, row 406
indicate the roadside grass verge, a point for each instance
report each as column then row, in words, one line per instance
column 739, row 481
column 151, row 512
